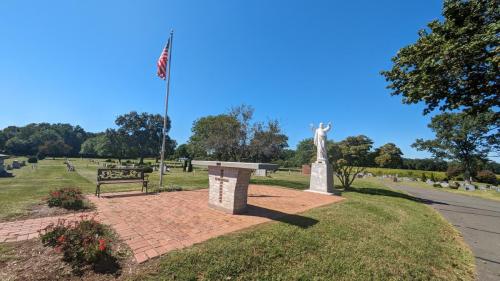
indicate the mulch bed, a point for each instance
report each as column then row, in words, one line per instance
column 30, row 260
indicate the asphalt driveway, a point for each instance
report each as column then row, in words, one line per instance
column 477, row 219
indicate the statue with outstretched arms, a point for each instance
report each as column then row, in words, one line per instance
column 320, row 142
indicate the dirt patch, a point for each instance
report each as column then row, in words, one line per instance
column 30, row 260
column 42, row 210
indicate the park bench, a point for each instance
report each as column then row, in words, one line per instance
column 120, row 175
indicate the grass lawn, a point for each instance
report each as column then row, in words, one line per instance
column 486, row 194
column 29, row 186
column 377, row 234
column 406, row 173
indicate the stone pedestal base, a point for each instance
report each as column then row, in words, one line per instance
column 321, row 178
column 228, row 188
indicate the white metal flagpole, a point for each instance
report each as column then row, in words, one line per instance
column 162, row 156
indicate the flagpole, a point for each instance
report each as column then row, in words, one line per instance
column 162, row 156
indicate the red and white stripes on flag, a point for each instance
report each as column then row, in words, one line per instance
column 162, row 62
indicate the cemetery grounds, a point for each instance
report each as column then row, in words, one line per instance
column 376, row 234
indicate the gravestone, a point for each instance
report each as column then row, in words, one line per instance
column 467, row 187
column 306, row 169
column 261, row 173
column 228, row 183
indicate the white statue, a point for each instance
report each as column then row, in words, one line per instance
column 320, row 142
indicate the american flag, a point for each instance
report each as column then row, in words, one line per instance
column 162, row 62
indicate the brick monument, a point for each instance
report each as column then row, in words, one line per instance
column 228, row 183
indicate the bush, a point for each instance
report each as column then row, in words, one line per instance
column 423, row 177
column 437, row 185
column 486, row 176
column 40, row 155
column 147, row 169
column 454, row 185
column 32, row 160
column 68, row 198
column 432, row 177
column 85, row 242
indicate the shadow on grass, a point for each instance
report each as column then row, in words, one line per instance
column 391, row 193
column 279, row 182
column 292, row 219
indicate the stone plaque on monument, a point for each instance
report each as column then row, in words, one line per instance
column 321, row 171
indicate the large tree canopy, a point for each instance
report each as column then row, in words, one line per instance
column 232, row 137
column 462, row 137
column 349, row 156
column 455, row 63
column 143, row 134
column 389, row 156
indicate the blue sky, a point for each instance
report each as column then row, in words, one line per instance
column 300, row 62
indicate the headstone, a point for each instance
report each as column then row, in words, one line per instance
column 261, row 173
column 306, row 169
column 467, row 187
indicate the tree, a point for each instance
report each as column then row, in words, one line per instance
column 348, row 156
column 216, row 137
column 461, row 137
column 244, row 114
column 306, row 152
column 55, row 148
column 389, row 156
column 88, row 147
column 455, row 63
column 268, row 142
column 144, row 133
column 182, row 151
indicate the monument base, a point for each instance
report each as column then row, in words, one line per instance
column 321, row 178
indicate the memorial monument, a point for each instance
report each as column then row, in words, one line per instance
column 228, row 183
column 321, row 171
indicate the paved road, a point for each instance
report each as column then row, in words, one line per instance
column 477, row 219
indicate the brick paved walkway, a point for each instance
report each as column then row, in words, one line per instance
column 155, row 224
column 27, row 229
column 152, row 225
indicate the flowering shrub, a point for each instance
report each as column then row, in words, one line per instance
column 83, row 242
column 68, row 198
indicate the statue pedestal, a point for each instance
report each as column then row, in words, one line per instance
column 321, row 178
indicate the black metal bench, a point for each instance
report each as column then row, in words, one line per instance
column 123, row 175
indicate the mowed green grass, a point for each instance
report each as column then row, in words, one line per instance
column 376, row 234
column 486, row 194
column 29, row 186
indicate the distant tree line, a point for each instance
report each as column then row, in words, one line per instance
column 43, row 139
